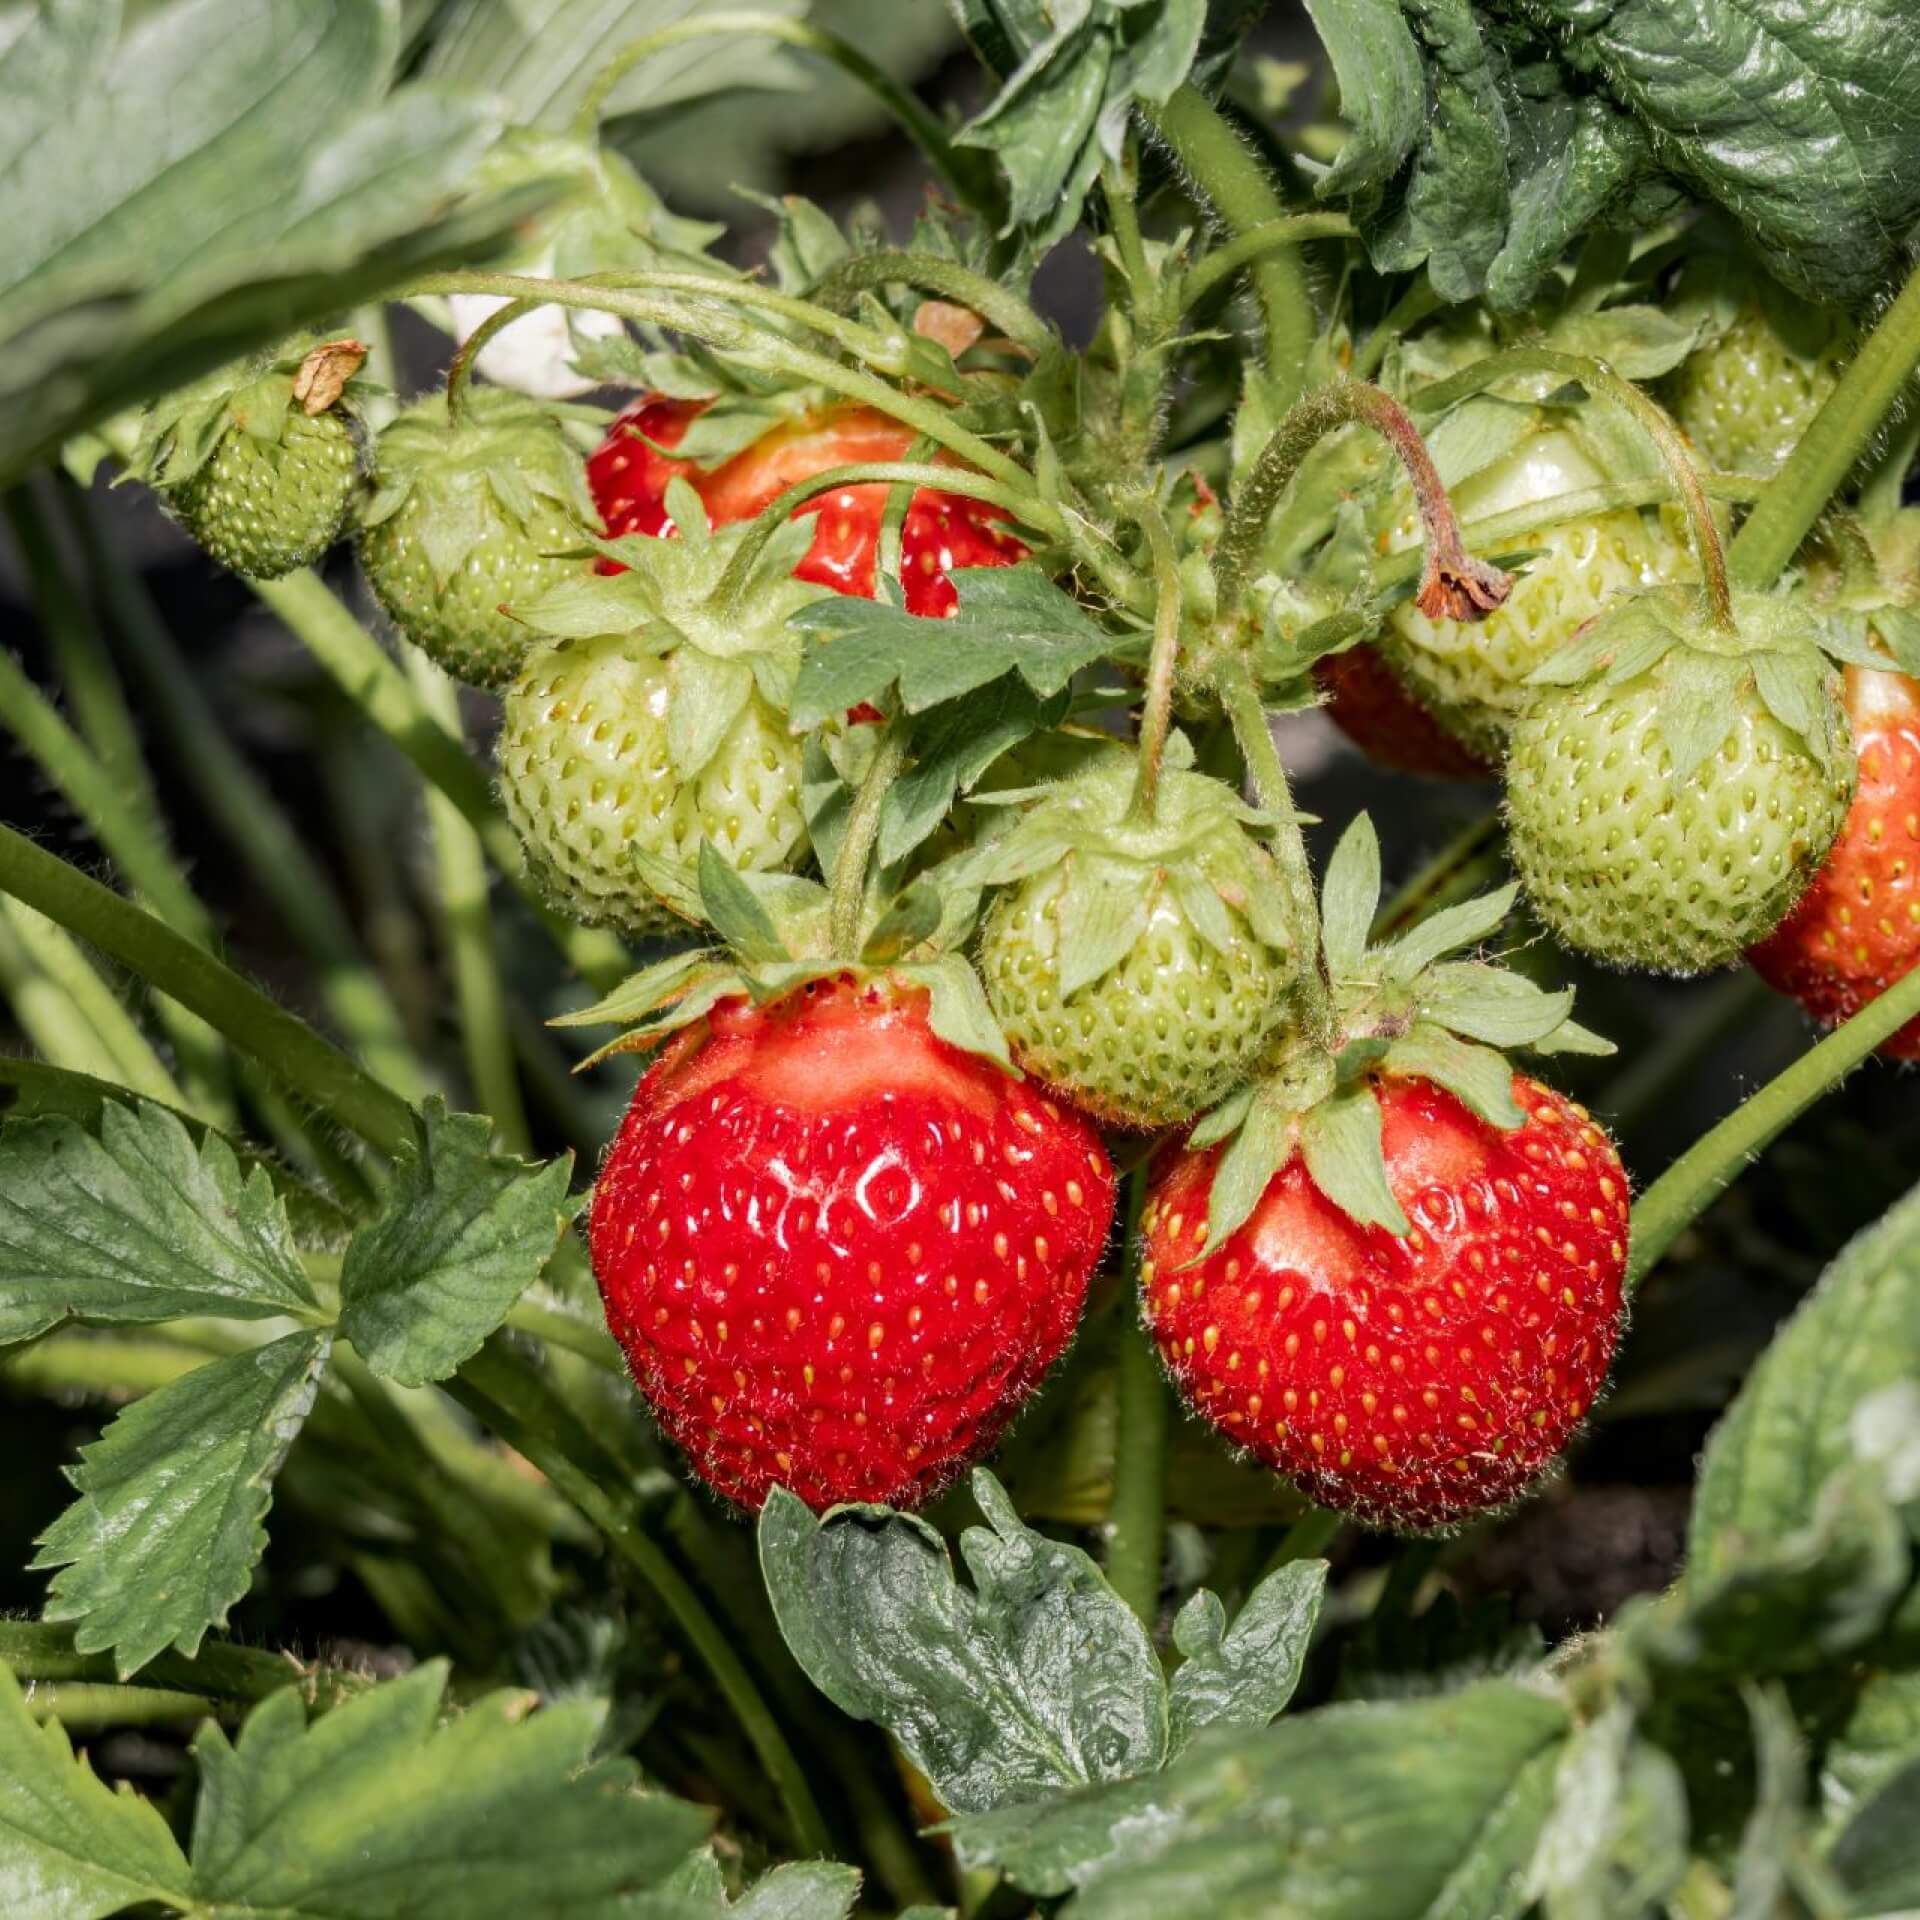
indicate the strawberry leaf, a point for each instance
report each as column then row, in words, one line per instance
column 168, row 1526
column 1341, row 1141
column 461, row 1233
column 1445, row 932
column 640, row 994
column 735, row 912
column 957, row 1008
column 1259, row 1150
column 1476, row 1076
column 913, row 918
column 1244, row 1676
column 137, row 1226
column 1350, row 896
column 1103, row 915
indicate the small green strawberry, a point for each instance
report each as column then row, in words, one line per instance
column 1139, row 966
column 652, row 719
column 260, row 462
column 472, row 516
column 1676, row 785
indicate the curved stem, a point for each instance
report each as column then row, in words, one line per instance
column 999, row 306
column 1716, row 1159
column 1248, row 718
column 1244, row 249
column 767, row 351
column 1453, row 585
column 1841, row 431
column 1401, row 318
column 923, row 127
column 308, row 1066
column 1119, row 188
column 523, row 1414
column 1646, row 413
column 1236, row 186
column 856, row 843
column 1137, row 1515
column 1157, row 714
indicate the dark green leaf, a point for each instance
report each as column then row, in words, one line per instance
column 912, row 918
column 136, row 1226
column 461, row 1233
column 70, row 1847
column 1880, row 1736
column 168, row 1526
column 1244, row 1676
column 1382, row 91
column 1037, row 1680
column 735, row 912
column 1877, row 1853
column 1011, row 620
column 381, row 1810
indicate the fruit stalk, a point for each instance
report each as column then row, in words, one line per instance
column 999, row 306
column 1718, row 1157
column 1842, row 430
column 1599, row 378
column 1244, row 249
column 1453, row 584
column 1156, row 715
column 1137, row 1514
column 856, row 844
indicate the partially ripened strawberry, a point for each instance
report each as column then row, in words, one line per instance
column 839, row 1252
column 1857, row 929
column 941, row 531
column 1411, row 1382
column 1370, row 704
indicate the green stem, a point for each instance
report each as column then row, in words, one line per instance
column 1120, row 188
column 515, row 1406
column 1248, row 718
column 1401, row 318
column 1156, row 716
column 919, row 124
column 1453, row 584
column 1137, row 1516
column 1244, row 249
column 857, row 841
column 1645, row 412
column 1307, row 1539
column 308, row 1066
column 1716, row 1159
column 466, row 915
column 244, row 808
column 1841, row 431
column 999, row 306
column 1237, row 188
column 770, row 352
column 354, row 660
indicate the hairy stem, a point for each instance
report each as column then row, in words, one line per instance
column 1716, row 1159
column 1236, row 186
column 1645, row 412
column 1453, row 586
column 1248, row 248
column 1000, row 307
column 857, row 842
column 1841, row 432
column 1137, row 1516
column 1156, row 716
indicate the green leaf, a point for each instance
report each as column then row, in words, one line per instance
column 914, row 917
column 1010, row 620
column 1244, row 1676
column 137, row 1226
column 211, row 177
column 957, row 1010
column 1350, row 897
column 1377, row 68
column 1037, row 1680
column 1488, row 1003
column 382, row 1810
column 1697, row 707
column 1103, row 913
column 1877, row 1853
column 1793, row 1425
column 801, row 1890
column 1452, row 928
column 735, row 912
column 1258, row 1151
column 70, row 1847
column 168, row 1526
column 1406, row 1812
column 640, row 993
column 461, row 1233
column 1880, row 1736
column 1340, row 1138
column 1476, row 1076
column 705, row 699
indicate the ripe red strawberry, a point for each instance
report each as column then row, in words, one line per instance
column 839, row 1252
column 1367, row 702
column 1857, row 929
column 942, row 531
column 1410, row 1382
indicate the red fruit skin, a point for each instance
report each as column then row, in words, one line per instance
column 1410, row 1383
column 1367, row 702
column 838, row 1253
column 1857, row 928
column 942, row 531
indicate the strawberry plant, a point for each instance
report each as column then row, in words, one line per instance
column 741, row 1174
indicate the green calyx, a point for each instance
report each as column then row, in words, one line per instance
column 1404, row 1009
column 1138, row 966
column 489, row 509
column 261, row 460
column 1675, row 785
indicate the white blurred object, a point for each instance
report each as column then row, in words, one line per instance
column 536, row 353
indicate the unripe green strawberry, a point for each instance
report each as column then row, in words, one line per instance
column 1138, row 967
column 587, row 770
column 1473, row 674
column 471, row 518
column 260, row 462
column 1671, row 794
